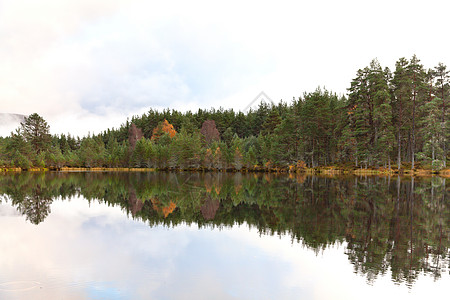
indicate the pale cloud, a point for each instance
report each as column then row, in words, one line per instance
column 30, row 34
column 119, row 58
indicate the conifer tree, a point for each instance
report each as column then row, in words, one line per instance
column 371, row 112
column 442, row 77
column 271, row 122
column 417, row 77
column 433, row 132
column 401, row 91
column 36, row 131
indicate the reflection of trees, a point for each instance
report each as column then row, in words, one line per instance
column 209, row 208
column 35, row 208
column 135, row 204
column 30, row 195
column 399, row 225
column 400, row 231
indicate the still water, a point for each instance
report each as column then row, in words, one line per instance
column 222, row 236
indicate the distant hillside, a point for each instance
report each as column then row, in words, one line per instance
column 9, row 122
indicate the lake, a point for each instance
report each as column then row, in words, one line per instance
column 163, row 235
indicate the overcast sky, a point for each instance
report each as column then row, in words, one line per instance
column 86, row 65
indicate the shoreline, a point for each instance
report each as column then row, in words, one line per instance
column 307, row 171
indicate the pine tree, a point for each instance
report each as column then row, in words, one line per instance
column 371, row 114
column 139, row 156
column 316, row 126
column 401, row 90
column 417, row 75
column 433, row 132
column 384, row 131
column 18, row 151
column 112, row 153
column 271, row 122
column 250, row 157
column 227, row 136
column 237, row 146
column 36, row 131
column 442, row 77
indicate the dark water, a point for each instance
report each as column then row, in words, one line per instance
column 222, row 236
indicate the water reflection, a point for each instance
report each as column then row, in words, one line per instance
column 398, row 224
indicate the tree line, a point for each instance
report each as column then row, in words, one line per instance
column 391, row 119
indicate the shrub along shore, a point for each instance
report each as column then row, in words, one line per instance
column 292, row 170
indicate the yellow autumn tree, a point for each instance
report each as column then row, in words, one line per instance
column 164, row 209
column 162, row 128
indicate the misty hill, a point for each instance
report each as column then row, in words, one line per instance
column 9, row 122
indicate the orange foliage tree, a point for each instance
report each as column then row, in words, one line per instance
column 162, row 128
column 164, row 209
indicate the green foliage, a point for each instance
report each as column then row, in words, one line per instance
column 144, row 154
column 162, row 155
column 271, row 122
column 317, row 126
column 371, row 114
column 92, row 152
column 250, row 159
column 435, row 133
column 186, row 150
column 20, row 160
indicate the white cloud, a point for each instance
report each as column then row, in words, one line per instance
column 123, row 57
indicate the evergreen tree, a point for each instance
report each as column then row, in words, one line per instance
column 417, row 75
column 442, row 77
column 187, row 150
column 271, row 122
column 19, row 151
column 227, row 136
column 112, row 152
column 250, row 159
column 237, row 146
column 401, row 90
column 433, row 131
column 384, row 131
column 36, row 131
column 92, row 152
column 361, row 98
column 316, row 129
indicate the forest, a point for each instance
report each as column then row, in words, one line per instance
column 391, row 120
